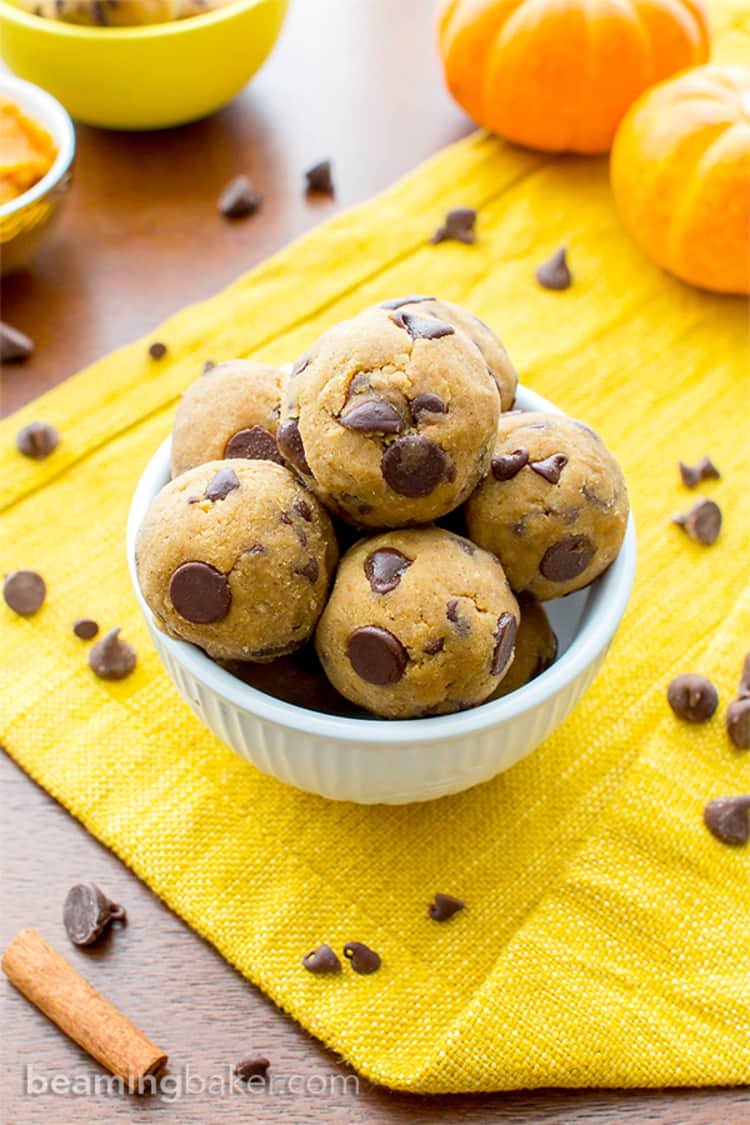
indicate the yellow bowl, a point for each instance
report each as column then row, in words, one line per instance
column 143, row 77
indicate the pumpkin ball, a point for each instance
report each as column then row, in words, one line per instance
column 680, row 174
column 236, row 556
column 554, row 506
column 390, row 418
column 494, row 354
column 230, row 411
column 558, row 75
column 420, row 622
column 536, row 647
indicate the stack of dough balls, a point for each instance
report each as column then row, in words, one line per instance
column 391, row 421
column 119, row 13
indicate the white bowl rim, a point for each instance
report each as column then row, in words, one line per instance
column 613, row 587
column 57, row 122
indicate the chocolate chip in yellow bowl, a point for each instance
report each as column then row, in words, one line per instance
column 142, row 77
column 37, row 146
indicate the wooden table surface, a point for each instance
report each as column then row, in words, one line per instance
column 356, row 81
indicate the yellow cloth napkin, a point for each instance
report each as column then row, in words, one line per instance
column 606, row 937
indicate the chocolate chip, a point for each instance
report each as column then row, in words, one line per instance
column 397, row 302
column 299, row 366
column 37, row 440
column 290, row 444
column 111, row 658
column 364, row 960
column 506, row 465
column 252, row 1066
column 427, row 404
column 432, row 648
column 24, row 591
column 254, row 444
column 463, row 627
column 567, row 558
column 85, row 628
column 157, row 350
column 444, row 907
column 743, row 688
column 414, row 466
column 693, row 474
column 555, row 273
column 255, row 549
column 458, row 225
column 209, row 365
column 466, row 545
column 319, row 178
column 310, row 571
column 728, row 819
column 738, row 722
column 321, row 960
column 374, row 415
column 87, row 913
column 551, row 467
column 692, row 697
column 239, row 199
column 422, row 327
column 702, row 522
column 15, row 346
column 505, row 639
column 376, row 655
column 220, row 485
column 384, row 569
column 200, row 593
column 302, row 508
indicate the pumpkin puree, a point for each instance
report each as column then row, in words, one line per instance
column 27, row 152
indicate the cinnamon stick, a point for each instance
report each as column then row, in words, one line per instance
column 52, row 985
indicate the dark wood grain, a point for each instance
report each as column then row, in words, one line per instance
column 355, row 80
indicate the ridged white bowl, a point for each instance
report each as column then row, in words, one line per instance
column 374, row 761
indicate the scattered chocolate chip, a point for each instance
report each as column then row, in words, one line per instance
column 310, row 571
column 702, row 522
column 692, row 697
column 24, row 591
column 321, row 960
column 551, row 467
column 728, row 819
column 85, row 628
column 111, row 658
column 252, row 1067
column 463, row 627
column 505, row 639
column 693, row 474
column 87, row 912
column 200, row 593
column 384, row 569
column 738, row 722
column 397, row 302
column 209, row 365
column 220, row 485
column 255, row 549
column 444, row 907
column 427, row 404
column 432, row 648
column 376, row 655
column 506, row 465
column 239, row 199
column 319, row 178
column 37, row 440
column 604, row 504
column 375, row 416
column 286, row 519
column 414, row 466
column 157, row 350
column 254, row 444
column 567, row 558
column 15, row 346
column 290, row 444
column 422, row 327
column 555, row 273
column 302, row 508
column 299, row 365
column 743, row 688
column 466, row 545
column 364, row 960
column 458, row 225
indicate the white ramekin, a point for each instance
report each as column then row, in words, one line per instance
column 374, row 761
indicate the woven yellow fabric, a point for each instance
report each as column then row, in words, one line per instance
column 606, row 940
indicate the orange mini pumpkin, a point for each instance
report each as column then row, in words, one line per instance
column 559, row 74
column 680, row 173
